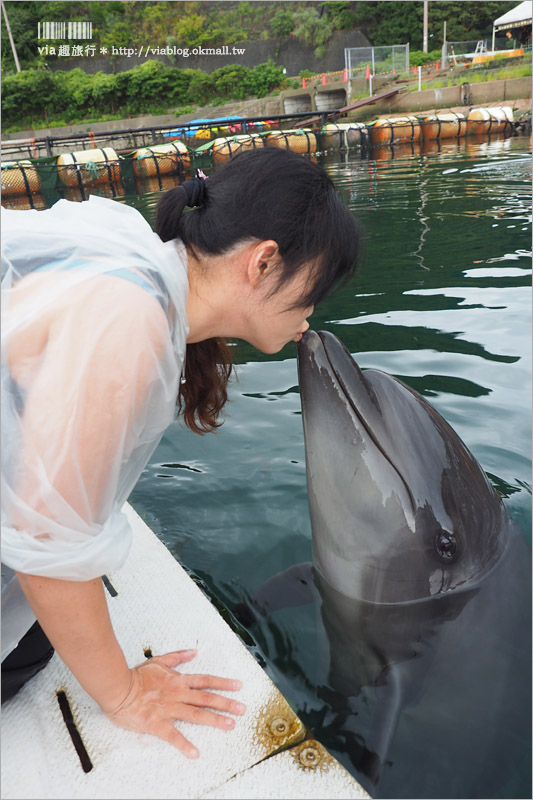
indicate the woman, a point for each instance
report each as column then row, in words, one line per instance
column 105, row 324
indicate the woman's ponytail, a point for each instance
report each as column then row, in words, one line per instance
column 208, row 365
column 170, row 208
column 202, row 397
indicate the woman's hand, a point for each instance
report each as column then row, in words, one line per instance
column 148, row 698
column 159, row 696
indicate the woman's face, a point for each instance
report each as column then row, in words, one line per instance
column 275, row 321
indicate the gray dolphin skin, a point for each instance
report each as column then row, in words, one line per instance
column 424, row 586
column 400, row 509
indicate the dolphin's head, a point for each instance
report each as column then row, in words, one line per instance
column 400, row 509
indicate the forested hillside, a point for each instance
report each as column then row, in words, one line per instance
column 209, row 24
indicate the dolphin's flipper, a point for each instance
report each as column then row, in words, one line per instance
column 292, row 587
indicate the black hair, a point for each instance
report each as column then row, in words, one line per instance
column 270, row 193
column 262, row 194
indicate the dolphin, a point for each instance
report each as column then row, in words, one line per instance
column 424, row 588
column 400, row 509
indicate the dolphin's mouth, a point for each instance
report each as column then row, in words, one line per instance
column 357, row 391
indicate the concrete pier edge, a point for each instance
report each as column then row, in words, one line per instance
column 157, row 608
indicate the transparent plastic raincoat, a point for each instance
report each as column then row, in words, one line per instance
column 94, row 331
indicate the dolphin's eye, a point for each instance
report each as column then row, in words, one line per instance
column 446, row 545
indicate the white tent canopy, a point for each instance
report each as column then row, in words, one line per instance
column 519, row 15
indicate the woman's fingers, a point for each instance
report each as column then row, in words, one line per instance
column 215, row 701
column 175, row 658
column 212, row 682
column 201, row 716
column 173, row 736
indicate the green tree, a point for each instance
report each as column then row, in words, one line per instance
column 464, row 21
column 192, row 31
column 343, row 14
column 282, row 24
column 232, row 81
column 314, row 29
column 201, row 86
column 105, row 92
column 387, row 23
column 266, row 77
column 23, row 19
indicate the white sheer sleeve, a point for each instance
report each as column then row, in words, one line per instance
column 89, row 384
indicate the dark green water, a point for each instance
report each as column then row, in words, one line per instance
column 443, row 301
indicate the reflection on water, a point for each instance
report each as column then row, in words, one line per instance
column 443, row 301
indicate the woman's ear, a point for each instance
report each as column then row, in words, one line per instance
column 263, row 261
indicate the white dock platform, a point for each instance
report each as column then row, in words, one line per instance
column 158, row 607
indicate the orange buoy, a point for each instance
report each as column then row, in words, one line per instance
column 443, row 126
column 342, row 135
column 19, row 178
column 163, row 159
column 89, row 167
column 225, row 147
column 398, row 129
column 489, row 120
column 299, row 141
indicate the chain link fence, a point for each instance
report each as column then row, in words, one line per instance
column 387, row 60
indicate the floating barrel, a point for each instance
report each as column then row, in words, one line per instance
column 89, row 167
column 443, row 126
column 226, row 147
column 343, row 135
column 299, row 141
column 24, row 202
column 163, row 159
column 397, row 129
column 489, row 120
column 19, row 178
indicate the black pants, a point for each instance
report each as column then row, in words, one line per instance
column 32, row 653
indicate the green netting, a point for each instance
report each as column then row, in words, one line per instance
column 40, row 183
